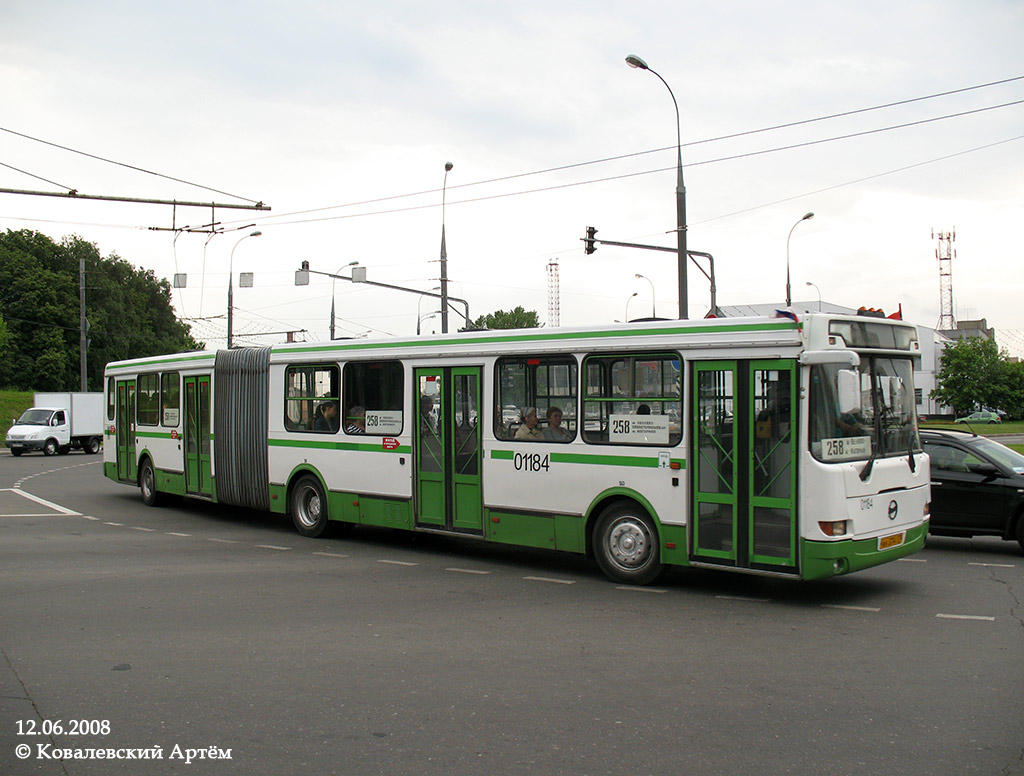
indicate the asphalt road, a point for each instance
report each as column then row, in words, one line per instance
column 192, row 626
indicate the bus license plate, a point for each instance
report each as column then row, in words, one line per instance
column 888, row 542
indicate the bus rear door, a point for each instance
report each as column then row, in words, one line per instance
column 125, row 431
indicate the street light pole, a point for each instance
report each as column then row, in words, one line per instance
column 634, row 61
column 444, row 254
column 333, row 281
column 644, row 277
column 231, row 285
column 819, row 294
column 789, row 294
column 626, row 319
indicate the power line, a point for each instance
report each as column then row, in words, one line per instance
column 619, row 157
column 123, row 164
column 624, row 176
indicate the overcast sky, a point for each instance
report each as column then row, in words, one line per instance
column 340, row 116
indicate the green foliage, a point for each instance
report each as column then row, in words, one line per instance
column 129, row 312
column 513, row 319
column 975, row 373
column 12, row 404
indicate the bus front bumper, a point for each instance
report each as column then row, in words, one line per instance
column 829, row 559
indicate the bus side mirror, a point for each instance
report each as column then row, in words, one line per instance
column 849, row 391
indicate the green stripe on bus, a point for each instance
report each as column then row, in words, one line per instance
column 318, row 445
column 545, row 337
column 168, row 362
column 594, row 459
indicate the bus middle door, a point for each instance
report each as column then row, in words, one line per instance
column 449, row 490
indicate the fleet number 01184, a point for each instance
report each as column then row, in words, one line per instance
column 531, row 462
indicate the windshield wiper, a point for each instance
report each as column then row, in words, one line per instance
column 876, row 443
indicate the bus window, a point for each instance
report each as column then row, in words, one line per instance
column 632, row 399
column 147, row 408
column 541, row 385
column 374, row 397
column 309, row 389
column 170, row 401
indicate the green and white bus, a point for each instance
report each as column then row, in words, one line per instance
column 763, row 445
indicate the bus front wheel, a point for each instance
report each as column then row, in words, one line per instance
column 626, row 545
column 309, row 507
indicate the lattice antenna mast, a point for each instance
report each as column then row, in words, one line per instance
column 945, row 254
column 553, row 292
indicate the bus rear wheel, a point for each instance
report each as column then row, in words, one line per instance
column 147, row 484
column 626, row 545
column 309, row 507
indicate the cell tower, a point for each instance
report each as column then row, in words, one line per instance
column 553, row 293
column 945, row 254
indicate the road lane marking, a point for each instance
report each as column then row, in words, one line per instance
column 911, row 560
column 468, row 571
column 221, row 541
column 552, row 579
column 41, row 501
column 965, row 617
column 140, row 528
column 995, row 565
column 744, row 598
column 852, row 608
column 331, row 554
column 175, row 533
column 107, row 522
column 636, row 589
column 271, row 547
column 398, row 562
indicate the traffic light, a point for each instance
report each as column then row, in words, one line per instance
column 591, row 243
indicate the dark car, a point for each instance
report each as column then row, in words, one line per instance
column 977, row 486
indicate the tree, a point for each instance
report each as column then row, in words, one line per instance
column 513, row 319
column 129, row 312
column 975, row 372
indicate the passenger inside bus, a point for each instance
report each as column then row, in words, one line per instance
column 528, row 430
column 327, row 417
column 555, row 431
column 356, row 421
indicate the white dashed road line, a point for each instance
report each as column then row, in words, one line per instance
column 398, row 562
column 965, row 617
column 851, row 608
column 552, row 579
column 272, row 547
column 468, row 571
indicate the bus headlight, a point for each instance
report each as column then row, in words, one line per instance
column 833, row 527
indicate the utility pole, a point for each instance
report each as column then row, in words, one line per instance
column 83, row 324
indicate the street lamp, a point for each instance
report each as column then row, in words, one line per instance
column 789, row 294
column 626, row 319
column 333, row 282
column 634, row 61
column 444, row 254
column 644, row 277
column 819, row 294
column 420, row 317
column 231, row 285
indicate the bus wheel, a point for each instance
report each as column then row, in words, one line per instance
column 50, row 448
column 147, row 484
column 626, row 545
column 309, row 507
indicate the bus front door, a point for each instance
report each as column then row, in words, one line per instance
column 744, row 470
column 125, row 431
column 449, row 491
column 198, row 479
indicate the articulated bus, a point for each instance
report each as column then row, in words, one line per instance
column 763, row 445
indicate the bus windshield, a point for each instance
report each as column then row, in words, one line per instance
column 884, row 424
